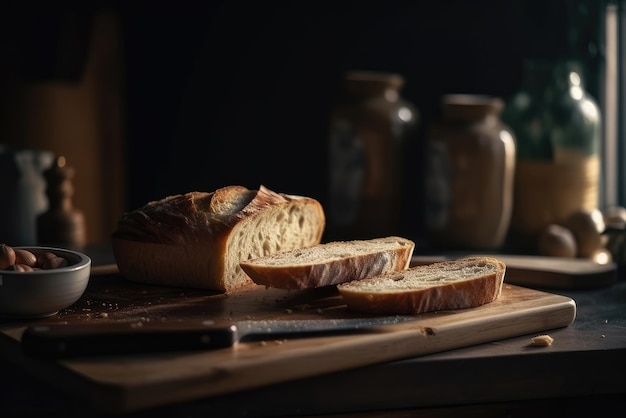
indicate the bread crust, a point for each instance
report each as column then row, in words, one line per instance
column 345, row 263
column 197, row 239
column 470, row 291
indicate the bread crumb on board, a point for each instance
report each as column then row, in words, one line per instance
column 542, row 341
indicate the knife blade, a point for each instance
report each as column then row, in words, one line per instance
column 55, row 341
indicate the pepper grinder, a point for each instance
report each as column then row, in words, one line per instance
column 61, row 225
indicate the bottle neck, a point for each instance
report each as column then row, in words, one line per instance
column 549, row 77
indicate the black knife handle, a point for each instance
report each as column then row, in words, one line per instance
column 67, row 340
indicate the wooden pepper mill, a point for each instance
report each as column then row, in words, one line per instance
column 61, row 225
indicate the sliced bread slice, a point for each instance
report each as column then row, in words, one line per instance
column 445, row 285
column 330, row 263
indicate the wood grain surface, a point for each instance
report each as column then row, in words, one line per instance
column 133, row 382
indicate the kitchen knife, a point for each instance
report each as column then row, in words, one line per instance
column 81, row 340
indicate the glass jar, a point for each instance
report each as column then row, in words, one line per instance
column 469, row 181
column 23, row 190
column 369, row 129
column 557, row 125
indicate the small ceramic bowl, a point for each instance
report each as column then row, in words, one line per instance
column 42, row 293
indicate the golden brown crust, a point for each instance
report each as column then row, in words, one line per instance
column 172, row 219
column 470, row 291
column 197, row 239
column 170, row 265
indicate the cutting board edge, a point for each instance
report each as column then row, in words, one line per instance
column 133, row 399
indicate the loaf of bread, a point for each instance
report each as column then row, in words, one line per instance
column 330, row 263
column 444, row 285
column 197, row 239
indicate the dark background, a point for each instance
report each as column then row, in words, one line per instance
column 240, row 94
column 230, row 92
column 220, row 92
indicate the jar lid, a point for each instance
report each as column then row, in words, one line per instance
column 366, row 83
column 375, row 76
column 470, row 106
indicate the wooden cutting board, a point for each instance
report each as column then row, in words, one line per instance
column 129, row 383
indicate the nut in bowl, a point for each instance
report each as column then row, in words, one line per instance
column 43, row 292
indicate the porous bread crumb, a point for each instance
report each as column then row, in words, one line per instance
column 429, row 276
column 322, row 254
column 542, row 341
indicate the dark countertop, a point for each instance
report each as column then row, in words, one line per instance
column 583, row 373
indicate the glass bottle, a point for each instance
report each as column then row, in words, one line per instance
column 369, row 129
column 471, row 167
column 557, row 125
